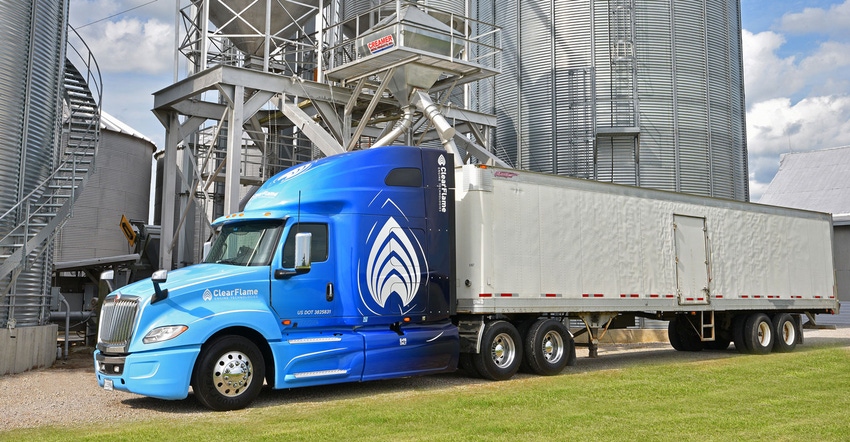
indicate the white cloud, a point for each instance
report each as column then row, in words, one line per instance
column 131, row 45
column 83, row 12
column 766, row 75
column 777, row 126
column 834, row 22
column 800, row 102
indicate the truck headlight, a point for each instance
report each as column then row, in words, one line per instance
column 161, row 334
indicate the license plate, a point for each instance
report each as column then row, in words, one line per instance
column 107, row 384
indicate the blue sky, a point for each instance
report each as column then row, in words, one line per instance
column 796, row 70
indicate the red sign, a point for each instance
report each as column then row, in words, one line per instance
column 381, row 44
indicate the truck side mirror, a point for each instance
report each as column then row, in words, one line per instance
column 302, row 257
column 159, row 277
column 302, row 251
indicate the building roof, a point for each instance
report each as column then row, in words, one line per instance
column 816, row 180
column 109, row 122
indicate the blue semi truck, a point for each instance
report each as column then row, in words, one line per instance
column 391, row 262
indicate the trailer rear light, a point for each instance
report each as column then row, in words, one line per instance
column 631, row 295
column 551, row 295
column 506, row 295
column 485, row 295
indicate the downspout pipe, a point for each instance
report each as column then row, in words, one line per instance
column 443, row 127
column 401, row 127
column 67, row 323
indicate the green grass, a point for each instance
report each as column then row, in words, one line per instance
column 804, row 395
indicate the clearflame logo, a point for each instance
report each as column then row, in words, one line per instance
column 393, row 265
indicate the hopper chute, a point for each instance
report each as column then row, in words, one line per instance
column 247, row 22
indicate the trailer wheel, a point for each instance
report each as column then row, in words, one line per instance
column 501, row 351
column 785, row 329
column 758, row 334
column 682, row 335
column 229, row 373
column 547, row 347
column 738, row 333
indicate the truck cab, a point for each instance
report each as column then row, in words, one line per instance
column 337, row 270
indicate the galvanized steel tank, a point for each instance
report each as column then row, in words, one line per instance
column 31, row 60
column 121, row 186
column 638, row 92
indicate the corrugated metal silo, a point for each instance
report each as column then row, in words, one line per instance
column 120, row 186
column 31, row 60
column 632, row 91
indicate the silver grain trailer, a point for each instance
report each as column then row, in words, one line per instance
column 535, row 250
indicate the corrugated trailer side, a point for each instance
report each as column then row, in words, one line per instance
column 533, row 248
column 530, row 242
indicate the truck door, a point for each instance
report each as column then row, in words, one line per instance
column 692, row 259
column 315, row 349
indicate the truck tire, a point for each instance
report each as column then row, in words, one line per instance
column 229, row 373
column 738, row 333
column 758, row 334
column 785, row 330
column 682, row 335
column 501, row 351
column 547, row 347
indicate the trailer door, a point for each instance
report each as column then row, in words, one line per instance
column 692, row 259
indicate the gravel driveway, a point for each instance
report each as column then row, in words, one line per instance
column 67, row 393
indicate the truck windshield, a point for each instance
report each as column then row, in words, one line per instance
column 245, row 244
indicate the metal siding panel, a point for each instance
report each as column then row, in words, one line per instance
column 537, row 108
column 507, row 84
column 120, row 185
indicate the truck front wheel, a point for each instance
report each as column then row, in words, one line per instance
column 229, row 373
column 501, row 351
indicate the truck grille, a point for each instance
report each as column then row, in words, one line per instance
column 117, row 319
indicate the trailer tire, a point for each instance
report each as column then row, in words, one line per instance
column 547, row 347
column 785, row 330
column 758, row 334
column 229, row 373
column 738, row 333
column 501, row 351
column 682, row 336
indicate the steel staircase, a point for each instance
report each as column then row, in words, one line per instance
column 40, row 214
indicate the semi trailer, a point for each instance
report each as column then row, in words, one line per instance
column 392, row 262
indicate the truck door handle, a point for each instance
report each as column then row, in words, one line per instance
column 329, row 292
